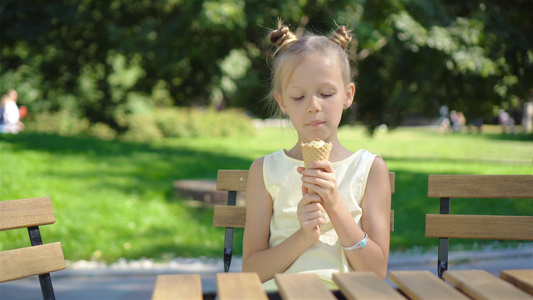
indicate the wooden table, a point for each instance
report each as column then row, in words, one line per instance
column 460, row 284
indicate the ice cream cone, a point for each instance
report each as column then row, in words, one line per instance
column 316, row 150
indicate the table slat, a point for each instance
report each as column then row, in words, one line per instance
column 480, row 284
column 240, row 286
column 523, row 279
column 364, row 285
column 423, row 285
column 178, row 287
column 302, row 286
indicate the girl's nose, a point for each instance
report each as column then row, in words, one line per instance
column 313, row 105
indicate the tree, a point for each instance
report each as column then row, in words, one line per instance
column 104, row 59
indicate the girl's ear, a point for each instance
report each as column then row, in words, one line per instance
column 279, row 99
column 350, row 93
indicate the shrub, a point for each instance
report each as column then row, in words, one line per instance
column 173, row 122
column 142, row 128
column 61, row 123
column 102, row 131
column 149, row 126
column 187, row 122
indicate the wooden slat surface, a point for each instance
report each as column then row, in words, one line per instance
column 26, row 212
column 523, row 279
column 480, row 284
column 240, row 286
column 235, row 216
column 302, row 286
column 30, row 261
column 391, row 220
column 480, row 227
column 236, row 180
column 423, row 285
column 232, row 180
column 392, row 180
column 182, row 286
column 480, row 186
column 364, row 285
column 229, row 216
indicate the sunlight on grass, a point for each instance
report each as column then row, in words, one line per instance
column 115, row 199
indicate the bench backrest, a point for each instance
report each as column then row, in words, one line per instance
column 39, row 259
column 231, row 216
column 446, row 225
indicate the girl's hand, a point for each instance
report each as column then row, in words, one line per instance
column 310, row 216
column 321, row 178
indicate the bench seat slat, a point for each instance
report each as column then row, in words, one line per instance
column 182, row 286
column 480, row 227
column 236, row 180
column 523, row 279
column 423, row 285
column 229, row 216
column 240, row 286
column 232, row 180
column 36, row 260
column 480, row 186
column 302, row 286
column 364, row 285
column 480, row 284
column 23, row 213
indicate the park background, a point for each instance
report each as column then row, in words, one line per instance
column 126, row 97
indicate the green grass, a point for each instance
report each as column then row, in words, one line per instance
column 114, row 199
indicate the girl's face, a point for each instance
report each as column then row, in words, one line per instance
column 314, row 97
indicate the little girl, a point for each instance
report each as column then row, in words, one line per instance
column 344, row 225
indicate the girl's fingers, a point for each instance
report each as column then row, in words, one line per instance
column 324, row 165
column 309, row 198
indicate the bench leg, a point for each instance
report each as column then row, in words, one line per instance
column 46, row 287
column 442, row 264
column 228, row 248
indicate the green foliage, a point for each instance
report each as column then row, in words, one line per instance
column 57, row 123
column 103, row 59
column 149, row 126
column 184, row 123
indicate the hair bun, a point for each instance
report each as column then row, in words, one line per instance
column 341, row 36
column 282, row 36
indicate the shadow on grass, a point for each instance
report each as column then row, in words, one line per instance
column 150, row 166
column 140, row 170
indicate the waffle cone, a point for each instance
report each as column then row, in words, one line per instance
column 312, row 154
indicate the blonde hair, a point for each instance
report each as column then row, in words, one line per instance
column 291, row 50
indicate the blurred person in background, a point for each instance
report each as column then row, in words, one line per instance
column 10, row 114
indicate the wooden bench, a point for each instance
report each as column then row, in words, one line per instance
column 40, row 259
column 464, row 284
column 446, row 225
column 520, row 278
column 231, row 216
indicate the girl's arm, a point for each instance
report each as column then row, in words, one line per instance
column 375, row 220
column 257, row 257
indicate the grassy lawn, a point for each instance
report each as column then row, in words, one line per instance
column 114, row 199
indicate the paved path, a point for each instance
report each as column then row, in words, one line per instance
column 135, row 280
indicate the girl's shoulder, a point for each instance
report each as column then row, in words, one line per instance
column 257, row 164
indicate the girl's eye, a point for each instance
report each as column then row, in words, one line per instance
column 326, row 95
column 298, row 98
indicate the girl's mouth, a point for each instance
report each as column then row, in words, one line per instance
column 315, row 123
